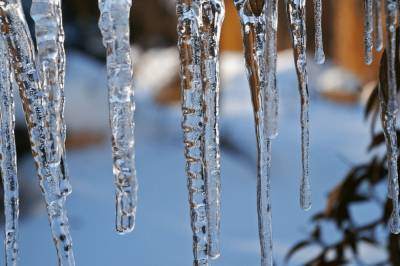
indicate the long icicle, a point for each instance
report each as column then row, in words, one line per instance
column 368, row 31
column 390, row 111
column 114, row 26
column 65, row 182
column 8, row 162
column 319, row 44
column 391, row 13
column 193, row 121
column 48, row 28
column 21, row 52
column 271, row 101
column 297, row 16
column 388, row 119
column 252, row 17
column 378, row 25
column 213, row 14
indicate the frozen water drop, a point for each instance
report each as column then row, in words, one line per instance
column 378, row 25
column 114, row 27
column 297, row 20
column 368, row 30
column 21, row 53
column 190, row 52
column 210, row 30
column 8, row 162
column 271, row 101
column 258, row 56
column 319, row 45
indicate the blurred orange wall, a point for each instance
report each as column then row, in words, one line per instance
column 230, row 34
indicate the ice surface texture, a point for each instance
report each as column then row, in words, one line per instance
column 15, row 31
column 8, row 162
column 271, row 98
column 51, row 66
column 114, row 26
column 213, row 12
column 319, row 44
column 199, row 30
column 262, row 85
column 296, row 11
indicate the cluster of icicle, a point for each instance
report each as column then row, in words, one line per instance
column 40, row 81
column 199, row 26
column 114, row 27
column 373, row 36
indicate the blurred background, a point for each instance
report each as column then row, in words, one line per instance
column 339, row 138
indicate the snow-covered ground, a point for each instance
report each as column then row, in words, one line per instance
column 162, row 236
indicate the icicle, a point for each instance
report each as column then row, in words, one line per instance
column 389, row 128
column 390, row 12
column 252, row 17
column 213, row 14
column 48, row 29
column 65, row 183
column 319, row 44
column 378, row 25
column 389, row 112
column 21, row 53
column 114, row 26
column 271, row 101
column 193, row 121
column 8, row 162
column 297, row 15
column 368, row 30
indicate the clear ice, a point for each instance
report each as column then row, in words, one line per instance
column 389, row 113
column 8, row 162
column 271, row 101
column 50, row 62
column 388, row 119
column 368, row 31
column 189, row 44
column 114, row 26
column 253, row 21
column 319, row 44
column 15, row 31
column 213, row 12
column 378, row 25
column 296, row 10
column 390, row 13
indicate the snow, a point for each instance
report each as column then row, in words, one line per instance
column 162, row 236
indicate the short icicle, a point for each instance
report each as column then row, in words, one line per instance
column 297, row 20
column 271, row 101
column 319, row 44
column 389, row 113
column 210, row 30
column 8, row 162
column 114, row 26
column 21, row 53
column 368, row 31
column 252, row 17
column 378, row 25
column 189, row 44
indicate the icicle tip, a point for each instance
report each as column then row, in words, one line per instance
column 394, row 223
